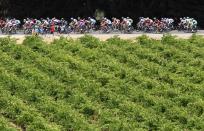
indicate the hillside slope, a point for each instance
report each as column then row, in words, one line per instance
column 88, row 84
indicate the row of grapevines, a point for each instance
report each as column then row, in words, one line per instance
column 117, row 79
column 171, row 53
column 5, row 125
column 41, row 49
column 39, row 83
column 23, row 115
column 30, row 59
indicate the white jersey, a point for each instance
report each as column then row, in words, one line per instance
column 93, row 21
column 46, row 22
column 108, row 22
column 129, row 22
column 195, row 22
column 17, row 22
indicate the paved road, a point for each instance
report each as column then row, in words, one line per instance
column 135, row 32
column 48, row 38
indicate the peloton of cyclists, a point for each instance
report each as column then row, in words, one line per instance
column 82, row 25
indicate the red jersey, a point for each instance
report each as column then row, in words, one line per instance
column 52, row 28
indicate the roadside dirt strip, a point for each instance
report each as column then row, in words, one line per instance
column 50, row 38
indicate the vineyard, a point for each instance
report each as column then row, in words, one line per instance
column 92, row 85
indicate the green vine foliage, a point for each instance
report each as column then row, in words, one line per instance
column 88, row 84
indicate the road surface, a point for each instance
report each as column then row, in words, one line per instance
column 49, row 38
